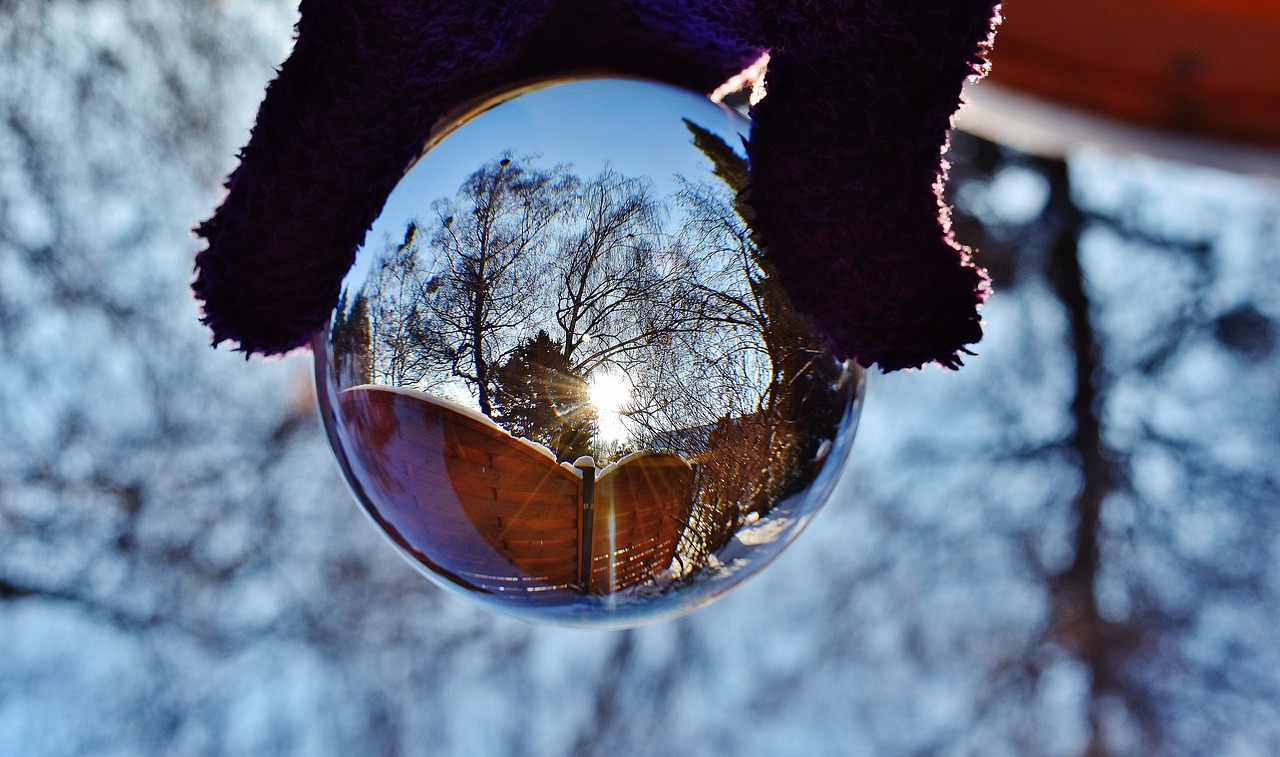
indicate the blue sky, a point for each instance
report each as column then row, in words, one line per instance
column 633, row 125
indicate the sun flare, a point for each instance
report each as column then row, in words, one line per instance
column 609, row 391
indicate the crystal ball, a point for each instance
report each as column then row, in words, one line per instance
column 562, row 378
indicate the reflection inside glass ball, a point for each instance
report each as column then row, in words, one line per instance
column 562, row 378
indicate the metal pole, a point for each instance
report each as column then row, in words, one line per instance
column 587, row 465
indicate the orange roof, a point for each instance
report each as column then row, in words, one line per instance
column 1209, row 67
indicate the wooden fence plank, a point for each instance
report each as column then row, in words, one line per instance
column 498, row 512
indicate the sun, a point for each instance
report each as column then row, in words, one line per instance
column 609, row 391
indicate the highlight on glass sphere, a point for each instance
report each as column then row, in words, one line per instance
column 562, row 378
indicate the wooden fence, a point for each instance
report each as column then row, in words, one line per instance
column 498, row 514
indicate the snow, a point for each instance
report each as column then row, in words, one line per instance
column 628, row 458
column 460, row 409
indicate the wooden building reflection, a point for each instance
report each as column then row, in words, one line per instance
column 497, row 514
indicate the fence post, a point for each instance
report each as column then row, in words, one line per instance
column 587, row 465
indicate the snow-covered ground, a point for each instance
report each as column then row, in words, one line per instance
column 182, row 572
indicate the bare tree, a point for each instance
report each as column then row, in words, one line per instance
column 615, row 295
column 182, row 572
column 485, row 239
column 396, row 296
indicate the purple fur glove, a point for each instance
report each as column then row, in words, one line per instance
column 844, row 152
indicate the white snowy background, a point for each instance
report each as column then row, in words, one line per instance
column 182, row 571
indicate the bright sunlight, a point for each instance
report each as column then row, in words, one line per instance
column 609, row 392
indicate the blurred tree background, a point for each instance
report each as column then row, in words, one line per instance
column 1070, row 547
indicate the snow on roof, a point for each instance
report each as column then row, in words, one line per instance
column 634, row 455
column 460, row 409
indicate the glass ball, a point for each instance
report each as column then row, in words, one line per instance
column 562, row 379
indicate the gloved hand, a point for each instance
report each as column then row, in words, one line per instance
column 845, row 150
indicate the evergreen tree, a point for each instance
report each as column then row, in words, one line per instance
column 538, row 397
column 359, row 336
column 350, row 338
